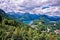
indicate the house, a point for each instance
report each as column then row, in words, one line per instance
column 34, row 26
column 43, row 31
column 48, row 29
column 57, row 32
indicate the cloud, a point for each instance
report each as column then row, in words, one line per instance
column 52, row 11
column 55, row 2
column 48, row 7
column 26, row 4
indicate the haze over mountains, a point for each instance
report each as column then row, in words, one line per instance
column 45, row 7
column 30, row 17
column 27, row 17
column 28, row 10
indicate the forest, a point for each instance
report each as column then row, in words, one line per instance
column 12, row 30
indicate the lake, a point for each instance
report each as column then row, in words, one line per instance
column 27, row 22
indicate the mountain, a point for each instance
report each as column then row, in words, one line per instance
column 51, row 18
column 27, row 17
column 30, row 17
column 3, row 14
column 23, row 17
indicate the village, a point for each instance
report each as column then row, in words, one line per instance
column 48, row 30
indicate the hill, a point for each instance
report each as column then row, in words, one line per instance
column 13, row 30
column 27, row 17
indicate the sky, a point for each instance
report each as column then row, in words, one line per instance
column 47, row 7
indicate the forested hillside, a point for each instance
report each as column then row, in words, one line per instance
column 13, row 30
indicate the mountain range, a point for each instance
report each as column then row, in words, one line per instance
column 30, row 17
column 27, row 17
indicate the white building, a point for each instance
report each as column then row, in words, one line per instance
column 48, row 30
column 57, row 31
